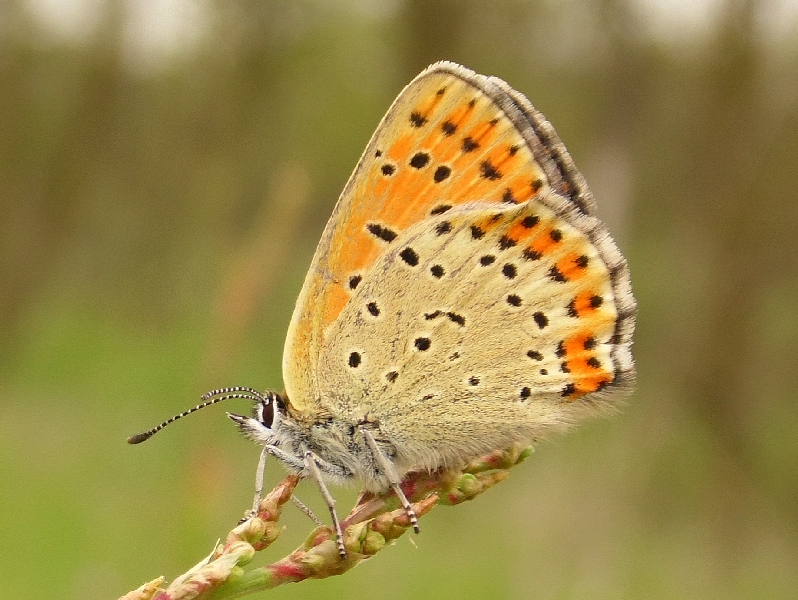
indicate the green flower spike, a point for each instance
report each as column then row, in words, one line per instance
column 374, row 523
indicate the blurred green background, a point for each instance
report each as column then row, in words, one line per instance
column 166, row 168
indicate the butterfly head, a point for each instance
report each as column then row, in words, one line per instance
column 264, row 427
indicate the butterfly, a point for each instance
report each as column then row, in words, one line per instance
column 463, row 297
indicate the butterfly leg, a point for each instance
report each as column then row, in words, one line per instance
column 301, row 506
column 292, row 462
column 313, row 467
column 387, row 468
column 259, row 476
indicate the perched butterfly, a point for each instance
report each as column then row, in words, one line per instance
column 463, row 297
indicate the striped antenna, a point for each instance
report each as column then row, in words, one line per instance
column 208, row 399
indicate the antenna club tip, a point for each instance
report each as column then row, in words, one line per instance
column 138, row 438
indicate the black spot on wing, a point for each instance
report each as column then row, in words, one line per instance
column 441, row 173
column 422, row 343
column 530, row 221
column 456, row 318
column 556, row 275
column 381, row 232
column 419, row 160
column 469, row 145
column 489, row 171
column 417, row 119
column 443, row 227
column 507, row 196
column 409, row 256
column 530, row 254
column 437, row 271
column 514, row 300
column 506, row 242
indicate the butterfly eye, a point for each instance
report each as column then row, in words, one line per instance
column 267, row 412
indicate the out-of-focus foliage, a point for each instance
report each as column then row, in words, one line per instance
column 165, row 171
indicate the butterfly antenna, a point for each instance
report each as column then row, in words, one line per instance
column 209, row 399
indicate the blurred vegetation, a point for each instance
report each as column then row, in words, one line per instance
column 164, row 180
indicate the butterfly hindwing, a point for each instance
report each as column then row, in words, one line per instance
column 483, row 314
